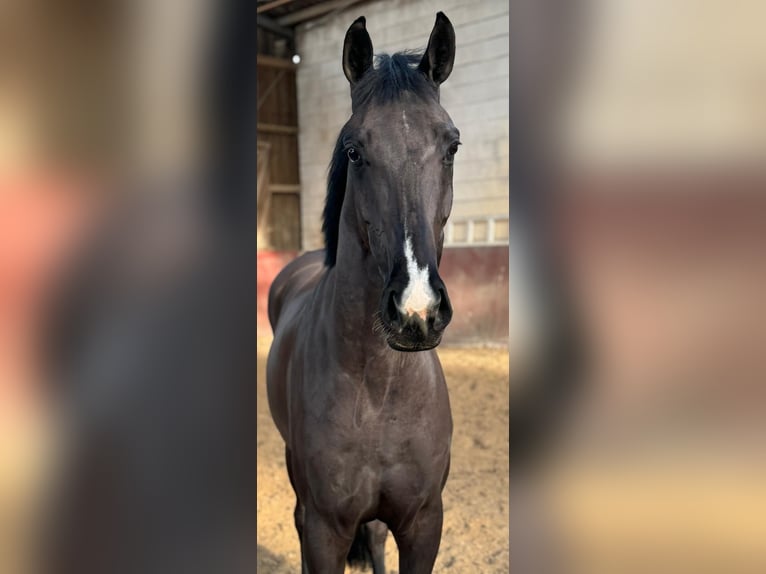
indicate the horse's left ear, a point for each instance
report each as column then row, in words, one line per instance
column 357, row 51
column 440, row 55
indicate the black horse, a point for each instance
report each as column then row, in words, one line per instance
column 355, row 387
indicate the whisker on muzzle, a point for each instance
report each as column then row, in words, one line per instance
column 379, row 327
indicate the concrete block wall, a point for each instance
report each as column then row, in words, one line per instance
column 475, row 96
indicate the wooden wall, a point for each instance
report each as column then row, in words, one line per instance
column 278, row 126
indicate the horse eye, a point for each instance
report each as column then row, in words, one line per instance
column 453, row 148
column 353, row 155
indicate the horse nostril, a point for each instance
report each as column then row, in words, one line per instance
column 443, row 311
column 391, row 310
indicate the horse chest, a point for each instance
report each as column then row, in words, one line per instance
column 377, row 451
column 373, row 440
column 349, row 479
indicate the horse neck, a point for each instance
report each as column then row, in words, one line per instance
column 362, row 353
column 356, row 296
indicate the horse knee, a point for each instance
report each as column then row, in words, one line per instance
column 324, row 548
column 299, row 516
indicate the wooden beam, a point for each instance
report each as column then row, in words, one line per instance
column 276, row 129
column 314, row 11
column 268, row 24
column 285, row 188
column 270, row 5
column 272, row 62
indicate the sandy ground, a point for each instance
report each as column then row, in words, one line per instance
column 475, row 535
column 666, row 498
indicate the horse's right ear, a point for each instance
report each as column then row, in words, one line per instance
column 440, row 54
column 357, row 51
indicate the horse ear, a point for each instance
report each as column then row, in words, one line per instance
column 357, row 51
column 440, row 55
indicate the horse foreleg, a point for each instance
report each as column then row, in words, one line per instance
column 324, row 548
column 298, row 515
column 299, row 512
column 419, row 543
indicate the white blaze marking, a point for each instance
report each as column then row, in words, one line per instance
column 418, row 295
column 404, row 119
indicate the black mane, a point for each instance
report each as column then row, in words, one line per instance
column 391, row 77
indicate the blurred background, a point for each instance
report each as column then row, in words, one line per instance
column 648, row 118
column 111, row 124
column 60, row 134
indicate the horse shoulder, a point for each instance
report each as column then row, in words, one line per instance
column 298, row 277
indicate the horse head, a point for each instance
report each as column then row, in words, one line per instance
column 393, row 167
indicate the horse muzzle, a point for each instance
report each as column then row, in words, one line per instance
column 415, row 321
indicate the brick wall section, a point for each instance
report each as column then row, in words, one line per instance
column 475, row 96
